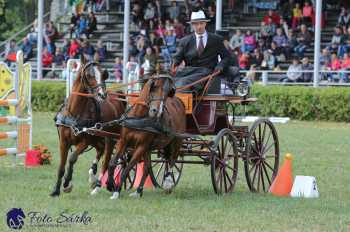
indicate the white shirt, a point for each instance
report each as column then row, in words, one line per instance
column 205, row 39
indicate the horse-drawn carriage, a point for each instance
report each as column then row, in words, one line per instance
column 209, row 137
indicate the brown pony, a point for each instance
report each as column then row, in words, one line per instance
column 88, row 104
column 156, row 103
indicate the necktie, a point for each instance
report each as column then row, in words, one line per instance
column 200, row 45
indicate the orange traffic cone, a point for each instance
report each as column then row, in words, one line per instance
column 104, row 177
column 139, row 173
column 282, row 185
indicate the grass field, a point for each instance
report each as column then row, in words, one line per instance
column 319, row 149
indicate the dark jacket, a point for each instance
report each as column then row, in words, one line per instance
column 187, row 51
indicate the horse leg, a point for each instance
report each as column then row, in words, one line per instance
column 109, row 144
column 93, row 169
column 147, row 164
column 120, row 149
column 139, row 151
column 61, row 168
column 67, row 185
column 174, row 149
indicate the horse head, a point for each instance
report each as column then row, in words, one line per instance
column 92, row 79
column 155, row 92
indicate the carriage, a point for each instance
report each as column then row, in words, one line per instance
column 213, row 139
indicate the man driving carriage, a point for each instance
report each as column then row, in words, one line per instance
column 200, row 52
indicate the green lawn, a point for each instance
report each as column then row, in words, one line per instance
column 319, row 149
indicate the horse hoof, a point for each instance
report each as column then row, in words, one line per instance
column 115, row 196
column 95, row 191
column 135, row 195
column 68, row 189
column 55, row 193
column 92, row 177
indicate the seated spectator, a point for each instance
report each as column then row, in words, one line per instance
column 179, row 29
column 303, row 41
column 325, row 68
column 325, row 57
column 74, row 49
column 73, row 24
column 249, row 42
column 294, row 73
column 297, row 16
column 256, row 59
column 308, row 14
column 291, row 43
column 277, row 52
column 345, row 47
column 51, row 33
column 118, row 69
column 335, row 65
column 149, row 62
column 91, row 24
column 33, row 34
column 141, row 45
column 27, row 49
column 250, row 75
column 345, row 67
column 83, row 23
column 237, row 41
column 47, row 59
column 243, row 61
column 65, row 49
column 267, row 31
column 212, row 17
column 306, row 66
column 87, row 50
column 58, row 58
column 150, row 15
column 136, row 14
column 338, row 37
column 133, row 69
column 168, row 25
column 101, row 51
column 275, row 18
column 269, row 61
column 262, row 45
column 11, row 52
column 344, row 19
column 174, row 10
column 280, row 39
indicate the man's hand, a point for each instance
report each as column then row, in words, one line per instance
column 217, row 71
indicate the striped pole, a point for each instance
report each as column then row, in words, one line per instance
column 9, row 102
column 8, row 134
column 7, row 151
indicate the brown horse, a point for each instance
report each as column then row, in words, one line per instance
column 158, row 104
column 88, row 104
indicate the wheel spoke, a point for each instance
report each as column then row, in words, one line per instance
column 263, row 134
column 268, row 165
column 228, row 177
column 256, row 143
column 252, row 168
column 178, row 169
column 269, row 147
column 262, row 177
column 230, row 168
column 158, row 172
column 258, row 177
column 255, row 171
column 266, row 173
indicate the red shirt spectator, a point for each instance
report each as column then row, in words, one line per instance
column 47, row 58
column 335, row 63
column 274, row 16
column 73, row 49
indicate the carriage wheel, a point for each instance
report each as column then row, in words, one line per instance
column 161, row 166
column 262, row 156
column 224, row 163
